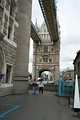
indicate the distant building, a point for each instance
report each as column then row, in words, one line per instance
column 77, row 66
column 68, row 74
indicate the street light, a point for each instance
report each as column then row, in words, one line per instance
column 53, row 68
column 68, row 85
column 37, row 68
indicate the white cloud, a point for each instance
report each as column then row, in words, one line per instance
column 36, row 12
column 69, row 17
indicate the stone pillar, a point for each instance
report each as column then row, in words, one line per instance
column 23, row 42
column 34, row 62
column 56, row 74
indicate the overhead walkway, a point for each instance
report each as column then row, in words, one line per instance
column 34, row 34
column 48, row 8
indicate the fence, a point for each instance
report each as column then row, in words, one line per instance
column 66, row 88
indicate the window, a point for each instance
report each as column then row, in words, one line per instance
column 45, row 59
column 11, row 11
column 0, row 21
column 48, row 37
column 45, row 48
column 50, row 60
column 2, row 2
column 39, row 50
column 43, row 36
column 7, row 5
column 6, row 17
column 44, row 30
column 40, row 60
column 5, row 24
column 5, row 31
column 9, row 32
column 52, row 49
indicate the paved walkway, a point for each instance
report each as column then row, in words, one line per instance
column 46, row 106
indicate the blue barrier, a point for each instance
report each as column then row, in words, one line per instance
column 65, row 88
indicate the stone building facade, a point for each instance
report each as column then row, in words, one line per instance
column 77, row 67
column 45, row 54
column 15, row 27
column 8, row 45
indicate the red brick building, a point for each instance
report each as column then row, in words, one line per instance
column 68, row 74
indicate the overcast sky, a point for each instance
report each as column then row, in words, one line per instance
column 68, row 14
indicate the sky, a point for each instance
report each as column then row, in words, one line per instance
column 68, row 14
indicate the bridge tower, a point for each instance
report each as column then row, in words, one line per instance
column 45, row 55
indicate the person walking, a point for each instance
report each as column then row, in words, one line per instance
column 34, row 86
column 41, row 86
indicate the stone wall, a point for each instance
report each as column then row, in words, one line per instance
column 10, row 53
column 5, row 91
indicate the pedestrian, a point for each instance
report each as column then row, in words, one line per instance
column 41, row 86
column 34, row 86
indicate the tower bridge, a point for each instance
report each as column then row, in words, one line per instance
column 45, row 55
column 16, row 39
column 49, row 39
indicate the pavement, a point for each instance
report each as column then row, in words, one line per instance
column 46, row 106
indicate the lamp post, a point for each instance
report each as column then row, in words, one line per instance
column 68, row 86
column 52, row 68
column 68, row 80
column 53, row 77
column 37, row 68
column 37, row 72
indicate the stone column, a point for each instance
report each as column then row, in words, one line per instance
column 56, row 74
column 34, row 62
column 20, row 85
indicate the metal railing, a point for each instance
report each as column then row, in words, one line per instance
column 66, row 88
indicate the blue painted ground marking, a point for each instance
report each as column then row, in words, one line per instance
column 10, row 110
